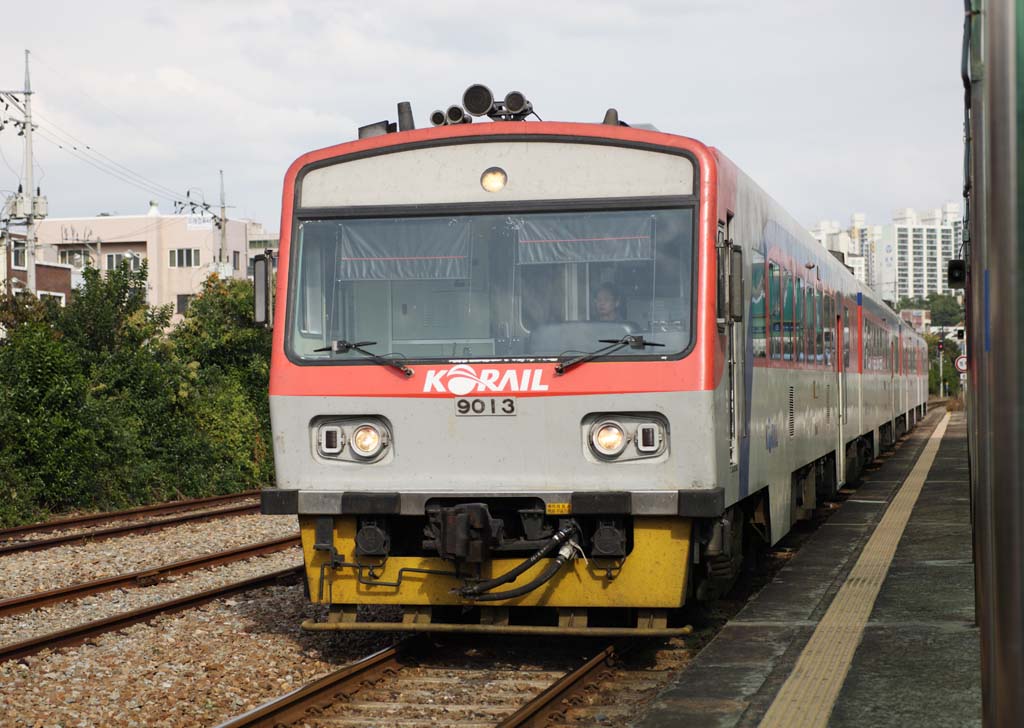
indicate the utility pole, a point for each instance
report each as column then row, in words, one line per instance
column 30, row 230
column 223, row 222
column 942, row 355
column 28, row 204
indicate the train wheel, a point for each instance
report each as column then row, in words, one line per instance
column 724, row 567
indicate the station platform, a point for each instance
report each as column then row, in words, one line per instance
column 870, row 624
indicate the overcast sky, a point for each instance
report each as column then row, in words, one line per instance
column 832, row 106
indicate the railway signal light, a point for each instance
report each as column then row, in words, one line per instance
column 956, row 273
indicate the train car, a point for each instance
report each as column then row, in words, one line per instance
column 991, row 270
column 556, row 377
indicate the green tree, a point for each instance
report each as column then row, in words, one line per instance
column 101, row 408
column 945, row 310
column 219, row 336
column 949, row 373
column 910, row 303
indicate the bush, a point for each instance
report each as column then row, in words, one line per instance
column 101, row 408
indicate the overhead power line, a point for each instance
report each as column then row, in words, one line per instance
column 85, row 147
column 106, row 169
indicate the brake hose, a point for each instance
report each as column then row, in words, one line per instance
column 564, row 554
column 511, row 575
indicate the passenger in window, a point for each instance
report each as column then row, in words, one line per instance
column 608, row 303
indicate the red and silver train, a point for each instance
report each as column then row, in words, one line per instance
column 548, row 376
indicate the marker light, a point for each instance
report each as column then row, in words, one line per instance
column 493, row 179
column 330, row 439
column 608, row 438
column 367, row 441
column 648, row 438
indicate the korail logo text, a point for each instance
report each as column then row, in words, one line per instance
column 462, row 379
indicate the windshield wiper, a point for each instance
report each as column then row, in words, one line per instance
column 343, row 347
column 633, row 341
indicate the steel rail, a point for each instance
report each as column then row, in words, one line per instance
column 325, row 691
column 81, row 633
column 136, row 528
column 93, row 519
column 545, row 708
column 144, row 577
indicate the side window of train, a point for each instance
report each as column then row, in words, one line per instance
column 830, row 322
column 758, row 294
column 798, row 319
column 787, row 315
column 847, row 317
column 809, row 327
column 819, row 343
column 775, row 313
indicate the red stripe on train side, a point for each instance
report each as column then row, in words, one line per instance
column 697, row 371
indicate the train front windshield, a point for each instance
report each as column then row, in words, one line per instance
column 479, row 286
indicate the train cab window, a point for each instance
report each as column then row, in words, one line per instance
column 757, row 308
column 461, row 286
column 798, row 319
column 775, row 303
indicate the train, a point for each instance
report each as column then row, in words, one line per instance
column 557, row 377
column 990, row 269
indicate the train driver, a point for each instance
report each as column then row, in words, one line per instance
column 608, row 303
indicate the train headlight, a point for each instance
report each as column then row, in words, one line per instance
column 493, row 179
column 367, row 441
column 608, row 438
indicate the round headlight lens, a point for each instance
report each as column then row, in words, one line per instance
column 608, row 438
column 367, row 441
column 493, row 179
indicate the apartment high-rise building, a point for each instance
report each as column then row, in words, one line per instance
column 904, row 259
column 831, row 235
column 916, row 248
column 866, row 239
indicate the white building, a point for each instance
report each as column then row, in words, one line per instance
column 904, row 259
column 260, row 241
column 916, row 249
column 866, row 240
column 834, row 238
column 182, row 250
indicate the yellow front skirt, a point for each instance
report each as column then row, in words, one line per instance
column 653, row 576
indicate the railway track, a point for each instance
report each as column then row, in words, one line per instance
column 408, row 686
column 419, row 683
column 82, row 633
column 149, row 526
column 144, row 577
column 94, row 519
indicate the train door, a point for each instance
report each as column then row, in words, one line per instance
column 842, row 360
column 893, row 401
column 730, row 302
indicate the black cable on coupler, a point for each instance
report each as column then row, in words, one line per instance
column 564, row 554
column 511, row 575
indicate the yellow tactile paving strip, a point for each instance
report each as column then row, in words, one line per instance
column 810, row 692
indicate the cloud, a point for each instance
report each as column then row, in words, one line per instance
column 832, row 106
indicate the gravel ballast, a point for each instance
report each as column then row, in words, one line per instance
column 69, row 614
column 29, row 572
column 195, row 668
